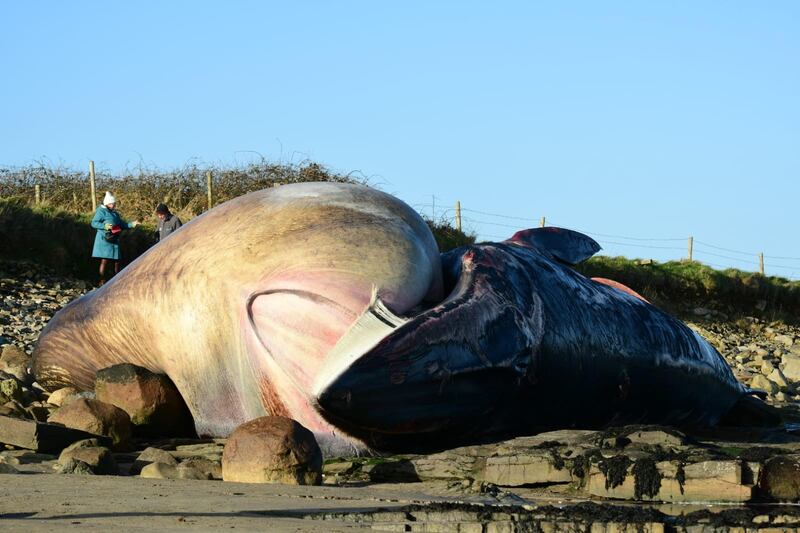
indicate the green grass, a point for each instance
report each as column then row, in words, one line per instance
column 678, row 283
column 447, row 237
column 60, row 240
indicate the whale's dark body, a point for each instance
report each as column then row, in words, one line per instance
column 524, row 343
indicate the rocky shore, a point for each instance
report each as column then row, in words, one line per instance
column 627, row 478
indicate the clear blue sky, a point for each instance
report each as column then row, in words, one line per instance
column 633, row 119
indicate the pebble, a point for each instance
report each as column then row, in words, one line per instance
column 29, row 298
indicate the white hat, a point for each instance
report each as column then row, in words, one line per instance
column 109, row 198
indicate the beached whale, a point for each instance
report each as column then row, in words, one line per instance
column 330, row 304
column 524, row 343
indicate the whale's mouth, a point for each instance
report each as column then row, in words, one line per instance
column 438, row 377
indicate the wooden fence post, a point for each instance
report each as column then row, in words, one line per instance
column 38, row 189
column 458, row 215
column 208, row 188
column 541, row 223
column 691, row 245
column 761, row 263
column 92, row 185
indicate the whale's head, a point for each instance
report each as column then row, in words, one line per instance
column 459, row 369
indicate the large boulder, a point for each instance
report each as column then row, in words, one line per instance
column 791, row 367
column 98, row 458
column 272, row 449
column 151, row 400
column 780, row 478
column 39, row 437
column 94, row 416
column 15, row 362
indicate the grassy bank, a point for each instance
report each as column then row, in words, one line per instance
column 676, row 285
column 59, row 239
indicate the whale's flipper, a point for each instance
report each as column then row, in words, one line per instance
column 564, row 245
column 750, row 411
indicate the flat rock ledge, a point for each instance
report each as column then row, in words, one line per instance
column 629, row 463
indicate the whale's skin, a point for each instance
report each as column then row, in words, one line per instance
column 240, row 306
column 524, row 343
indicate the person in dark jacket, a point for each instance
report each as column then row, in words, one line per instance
column 167, row 222
column 109, row 224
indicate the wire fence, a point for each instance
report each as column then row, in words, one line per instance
column 493, row 226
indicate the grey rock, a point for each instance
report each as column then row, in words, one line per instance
column 164, row 471
column 96, row 417
column 786, row 340
column 76, row 466
column 657, row 437
column 11, row 389
column 777, row 377
column 791, row 367
column 24, row 457
column 159, row 471
column 14, row 361
column 98, row 458
column 94, row 442
column 62, row 396
column 39, row 436
column 152, row 455
column 6, row 468
column 760, row 382
column 210, row 469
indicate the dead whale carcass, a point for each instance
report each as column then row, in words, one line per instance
column 324, row 302
column 524, row 343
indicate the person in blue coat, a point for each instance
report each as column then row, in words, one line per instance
column 109, row 224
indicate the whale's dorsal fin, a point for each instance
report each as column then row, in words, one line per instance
column 564, row 245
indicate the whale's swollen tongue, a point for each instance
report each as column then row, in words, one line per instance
column 294, row 325
column 298, row 328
